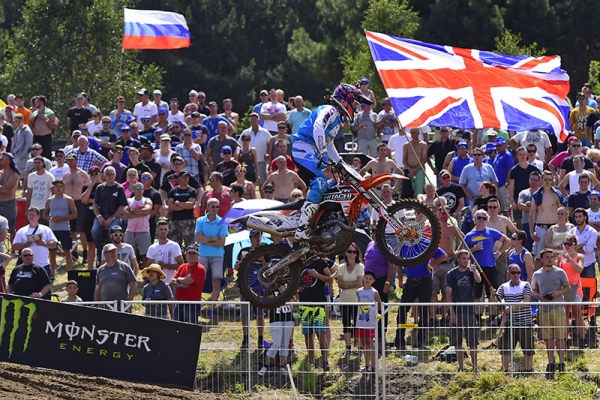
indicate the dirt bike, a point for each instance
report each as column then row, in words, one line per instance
column 407, row 234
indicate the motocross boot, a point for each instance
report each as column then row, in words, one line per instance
column 307, row 213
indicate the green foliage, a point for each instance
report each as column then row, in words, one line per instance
column 79, row 50
column 594, row 75
column 393, row 17
column 510, row 43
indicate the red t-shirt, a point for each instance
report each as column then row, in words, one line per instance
column 288, row 161
column 194, row 291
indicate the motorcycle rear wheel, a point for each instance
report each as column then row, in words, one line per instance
column 417, row 241
column 260, row 292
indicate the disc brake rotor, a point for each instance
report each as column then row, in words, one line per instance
column 270, row 282
column 411, row 233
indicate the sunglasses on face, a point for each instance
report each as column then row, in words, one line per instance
column 514, row 272
column 187, row 135
column 36, row 148
column 575, row 145
column 121, row 102
column 352, row 252
column 26, row 255
column 534, row 179
column 443, row 130
column 445, row 177
column 492, row 207
column 568, row 243
column 138, row 187
column 94, row 173
column 531, row 151
column 477, row 155
column 145, row 178
column 117, row 234
column 106, row 122
column 246, row 139
column 177, row 164
column 227, row 152
column 214, row 206
column 481, row 218
column 281, row 127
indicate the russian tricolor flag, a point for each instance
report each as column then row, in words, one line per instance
column 154, row 30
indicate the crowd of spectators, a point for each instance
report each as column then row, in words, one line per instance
column 136, row 187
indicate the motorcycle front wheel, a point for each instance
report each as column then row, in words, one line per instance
column 417, row 240
column 272, row 291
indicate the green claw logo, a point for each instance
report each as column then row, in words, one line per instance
column 18, row 309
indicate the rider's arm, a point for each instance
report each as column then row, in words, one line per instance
column 327, row 116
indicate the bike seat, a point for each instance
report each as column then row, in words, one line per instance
column 294, row 205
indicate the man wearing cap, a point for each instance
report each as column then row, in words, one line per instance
column 211, row 235
column 120, row 116
column 503, row 163
column 213, row 121
column 133, row 155
column 135, row 133
column 264, row 98
column 157, row 96
column 190, row 152
column 170, row 180
column 189, row 281
column 227, row 166
column 145, row 107
column 125, row 251
column 216, row 144
column 29, row 279
column 78, row 114
column 22, row 142
column 72, row 142
column 115, row 162
column 181, row 201
column 126, row 140
column 162, row 122
column 87, row 104
column 114, row 279
column 60, row 210
column 109, row 202
column 87, row 157
column 490, row 153
column 538, row 138
column 39, row 185
column 147, row 157
column 259, row 139
column 36, row 150
column 453, row 193
column 37, row 237
column 201, row 101
column 272, row 113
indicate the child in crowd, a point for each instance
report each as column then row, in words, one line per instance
column 366, row 319
column 72, row 289
column 281, row 325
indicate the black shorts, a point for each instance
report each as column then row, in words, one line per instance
column 492, row 275
column 465, row 323
column 65, row 239
column 78, row 223
column 88, row 223
column 520, row 334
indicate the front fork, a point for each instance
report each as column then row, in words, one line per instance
column 285, row 261
column 382, row 210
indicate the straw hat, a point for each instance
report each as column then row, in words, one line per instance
column 155, row 268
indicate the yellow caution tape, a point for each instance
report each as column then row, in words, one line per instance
column 408, row 325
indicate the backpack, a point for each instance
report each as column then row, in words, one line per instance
column 447, row 354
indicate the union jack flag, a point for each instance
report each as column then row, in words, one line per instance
column 433, row 85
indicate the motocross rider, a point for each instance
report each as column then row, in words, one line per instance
column 312, row 147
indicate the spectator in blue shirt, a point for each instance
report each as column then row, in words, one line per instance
column 503, row 164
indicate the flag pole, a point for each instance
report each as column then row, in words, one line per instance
column 120, row 72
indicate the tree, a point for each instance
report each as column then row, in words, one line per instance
column 61, row 49
column 393, row 17
column 509, row 43
column 594, row 75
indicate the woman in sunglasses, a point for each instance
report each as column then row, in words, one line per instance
column 246, row 155
column 487, row 191
column 240, row 179
column 349, row 277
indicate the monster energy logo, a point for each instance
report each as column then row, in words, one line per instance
column 19, row 305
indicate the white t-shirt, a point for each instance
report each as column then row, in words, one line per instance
column 162, row 160
column 538, row 138
column 396, row 144
column 41, row 186
column 166, row 253
column 93, row 127
column 40, row 253
column 58, row 172
column 272, row 109
column 3, row 140
column 175, row 117
column 259, row 140
column 593, row 216
column 140, row 110
column 538, row 164
column 3, row 225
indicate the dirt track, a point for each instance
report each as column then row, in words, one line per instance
column 22, row 382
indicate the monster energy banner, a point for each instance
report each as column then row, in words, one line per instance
column 98, row 342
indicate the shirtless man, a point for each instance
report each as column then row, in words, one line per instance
column 9, row 180
column 381, row 165
column 449, row 241
column 411, row 159
column 74, row 180
column 283, row 181
column 543, row 214
column 501, row 224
